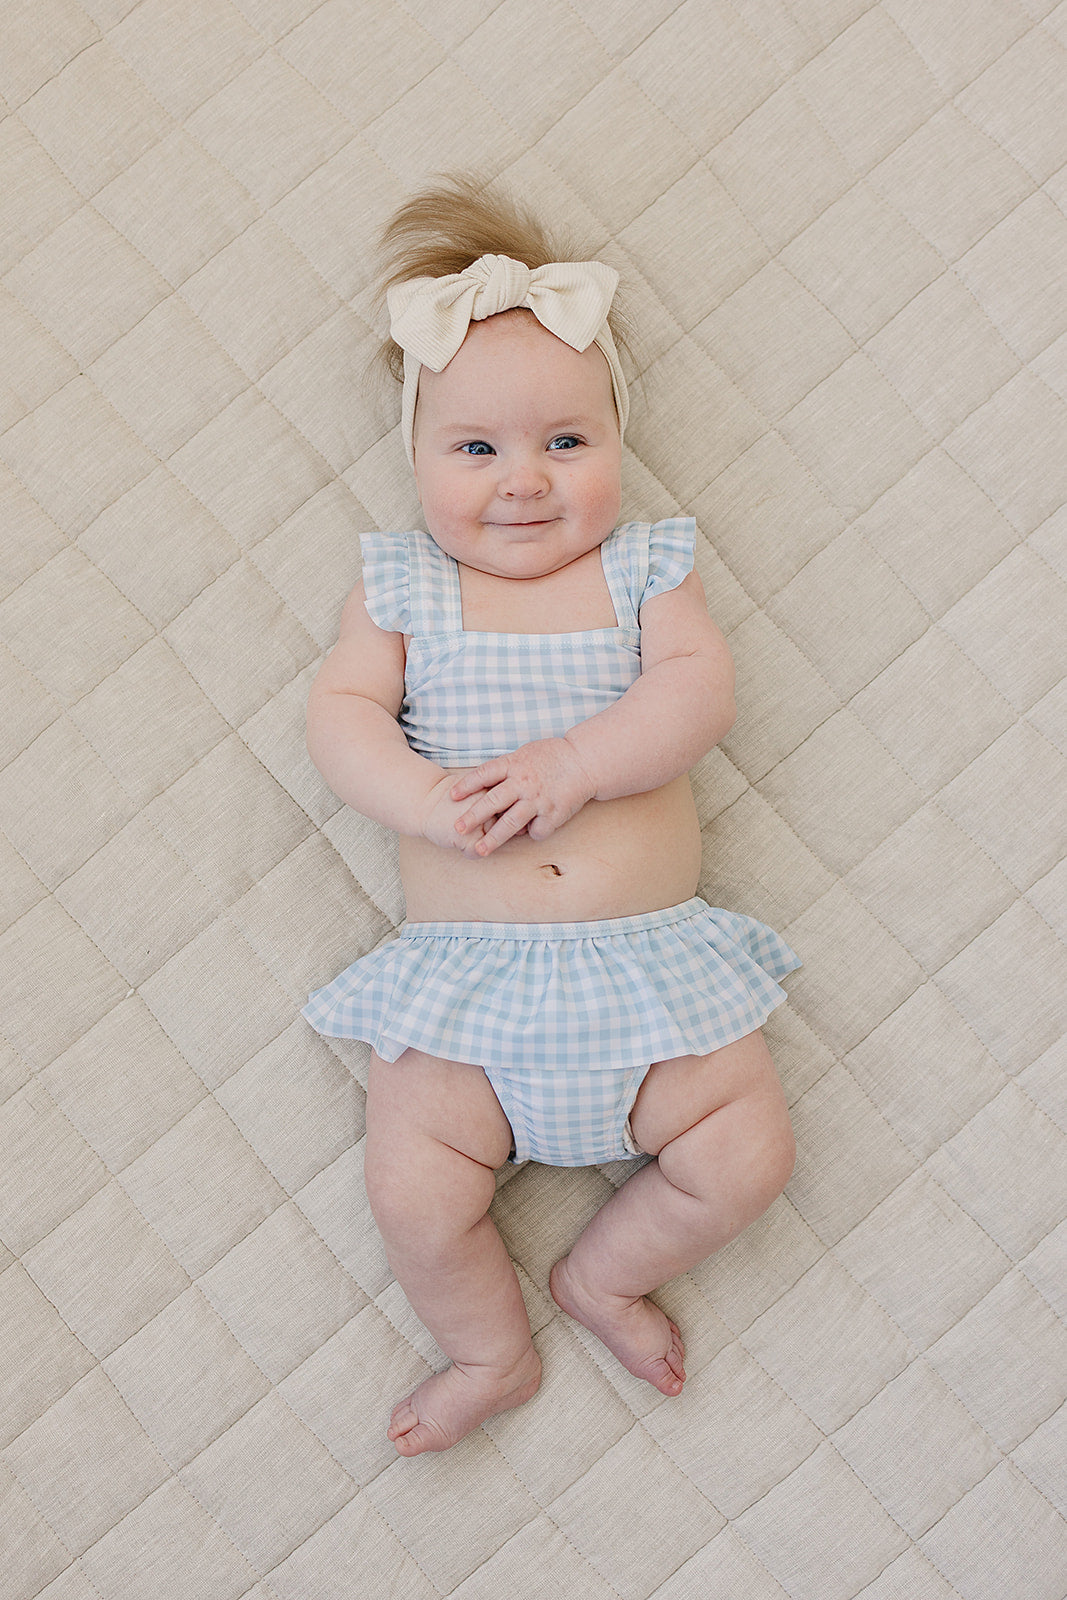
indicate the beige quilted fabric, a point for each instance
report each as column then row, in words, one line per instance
column 843, row 224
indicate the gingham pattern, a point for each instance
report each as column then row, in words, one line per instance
column 471, row 696
column 581, row 996
column 570, row 1119
column 841, row 227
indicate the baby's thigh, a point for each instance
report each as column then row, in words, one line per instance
column 419, row 1100
column 677, row 1094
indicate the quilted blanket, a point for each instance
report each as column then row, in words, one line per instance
column 842, row 228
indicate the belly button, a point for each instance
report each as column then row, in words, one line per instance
column 550, row 866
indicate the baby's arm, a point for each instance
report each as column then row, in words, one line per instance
column 357, row 744
column 682, row 705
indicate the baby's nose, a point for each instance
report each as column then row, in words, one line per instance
column 522, row 480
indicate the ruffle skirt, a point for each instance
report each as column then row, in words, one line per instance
column 603, row 995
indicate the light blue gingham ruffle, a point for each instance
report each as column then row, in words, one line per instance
column 623, row 992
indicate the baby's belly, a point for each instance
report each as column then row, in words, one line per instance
column 616, row 858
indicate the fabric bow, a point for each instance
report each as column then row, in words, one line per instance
column 429, row 317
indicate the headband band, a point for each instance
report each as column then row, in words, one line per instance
column 429, row 317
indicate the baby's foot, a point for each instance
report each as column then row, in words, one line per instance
column 637, row 1333
column 451, row 1404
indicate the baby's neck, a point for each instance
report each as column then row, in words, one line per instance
column 572, row 600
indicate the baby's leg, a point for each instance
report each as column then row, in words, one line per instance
column 435, row 1133
column 720, row 1129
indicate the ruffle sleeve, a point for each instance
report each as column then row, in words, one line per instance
column 671, row 554
column 387, row 580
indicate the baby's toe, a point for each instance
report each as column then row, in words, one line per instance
column 423, row 1436
column 667, row 1372
column 411, row 1434
column 663, row 1377
column 403, row 1419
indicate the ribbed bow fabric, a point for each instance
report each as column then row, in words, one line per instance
column 429, row 317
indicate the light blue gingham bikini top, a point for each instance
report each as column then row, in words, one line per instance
column 471, row 696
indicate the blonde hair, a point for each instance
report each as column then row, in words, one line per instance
column 445, row 227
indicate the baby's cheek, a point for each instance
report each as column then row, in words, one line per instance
column 601, row 499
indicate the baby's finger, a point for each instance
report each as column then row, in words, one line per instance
column 483, row 777
column 506, row 827
column 493, row 804
column 468, row 844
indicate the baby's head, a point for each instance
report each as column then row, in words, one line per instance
column 514, row 397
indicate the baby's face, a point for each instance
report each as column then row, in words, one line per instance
column 518, row 458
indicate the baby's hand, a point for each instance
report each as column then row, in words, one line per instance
column 535, row 789
column 440, row 819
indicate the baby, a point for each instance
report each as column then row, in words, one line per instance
column 520, row 692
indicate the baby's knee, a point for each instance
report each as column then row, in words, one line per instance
column 401, row 1202
column 772, row 1156
column 747, row 1147
column 424, row 1192
column 780, row 1154
column 391, row 1195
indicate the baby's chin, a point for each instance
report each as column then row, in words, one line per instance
column 519, row 549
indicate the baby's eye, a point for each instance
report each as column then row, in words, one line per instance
column 565, row 441
column 477, row 447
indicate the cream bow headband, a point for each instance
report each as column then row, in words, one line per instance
column 429, row 317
